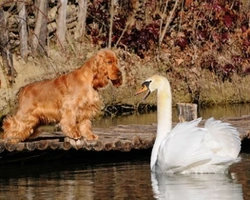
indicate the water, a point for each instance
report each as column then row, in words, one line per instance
column 76, row 180
column 128, row 177
column 120, row 180
column 218, row 112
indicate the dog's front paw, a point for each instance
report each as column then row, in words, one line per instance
column 74, row 135
column 91, row 137
column 77, row 144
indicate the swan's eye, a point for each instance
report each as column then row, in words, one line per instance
column 146, row 83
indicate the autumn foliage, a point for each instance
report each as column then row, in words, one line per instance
column 214, row 33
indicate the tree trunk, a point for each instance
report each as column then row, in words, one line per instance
column 40, row 34
column 81, row 23
column 111, row 23
column 23, row 34
column 61, row 23
column 5, row 49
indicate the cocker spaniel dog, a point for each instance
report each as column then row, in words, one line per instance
column 71, row 99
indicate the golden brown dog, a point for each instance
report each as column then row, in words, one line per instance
column 70, row 99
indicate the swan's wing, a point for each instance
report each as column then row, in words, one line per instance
column 222, row 138
column 183, row 147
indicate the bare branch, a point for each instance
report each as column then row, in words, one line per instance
column 170, row 17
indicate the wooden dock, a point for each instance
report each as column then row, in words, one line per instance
column 119, row 138
column 123, row 138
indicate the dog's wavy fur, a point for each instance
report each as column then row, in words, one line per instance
column 71, row 99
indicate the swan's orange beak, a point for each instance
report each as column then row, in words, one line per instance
column 143, row 89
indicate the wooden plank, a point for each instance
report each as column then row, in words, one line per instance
column 54, row 144
column 42, row 145
column 30, row 146
column 20, row 146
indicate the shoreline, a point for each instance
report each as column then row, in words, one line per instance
column 194, row 85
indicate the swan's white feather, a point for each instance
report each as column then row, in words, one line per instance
column 191, row 149
column 222, row 138
column 188, row 148
column 183, row 147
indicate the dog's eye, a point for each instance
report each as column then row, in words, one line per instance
column 109, row 62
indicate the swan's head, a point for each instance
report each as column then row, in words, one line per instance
column 151, row 84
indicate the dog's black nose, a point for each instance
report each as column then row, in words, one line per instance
column 119, row 73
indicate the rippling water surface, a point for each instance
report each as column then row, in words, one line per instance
column 120, row 180
column 129, row 178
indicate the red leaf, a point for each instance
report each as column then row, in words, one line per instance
column 228, row 20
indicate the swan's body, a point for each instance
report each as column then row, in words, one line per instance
column 188, row 148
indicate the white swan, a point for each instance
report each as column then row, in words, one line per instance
column 188, row 148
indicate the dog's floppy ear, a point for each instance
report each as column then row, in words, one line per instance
column 97, row 61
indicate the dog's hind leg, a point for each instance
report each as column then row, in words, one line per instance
column 18, row 129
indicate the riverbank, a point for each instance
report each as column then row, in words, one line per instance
column 189, row 85
column 203, row 48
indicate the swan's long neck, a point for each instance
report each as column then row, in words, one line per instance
column 164, row 119
column 164, row 111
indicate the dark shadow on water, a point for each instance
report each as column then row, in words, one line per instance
column 38, row 162
column 245, row 145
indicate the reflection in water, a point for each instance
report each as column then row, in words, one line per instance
column 241, row 173
column 195, row 186
column 148, row 118
column 124, row 180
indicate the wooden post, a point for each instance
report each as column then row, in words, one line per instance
column 61, row 23
column 23, row 33
column 5, row 49
column 40, row 34
column 187, row 111
column 81, row 22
